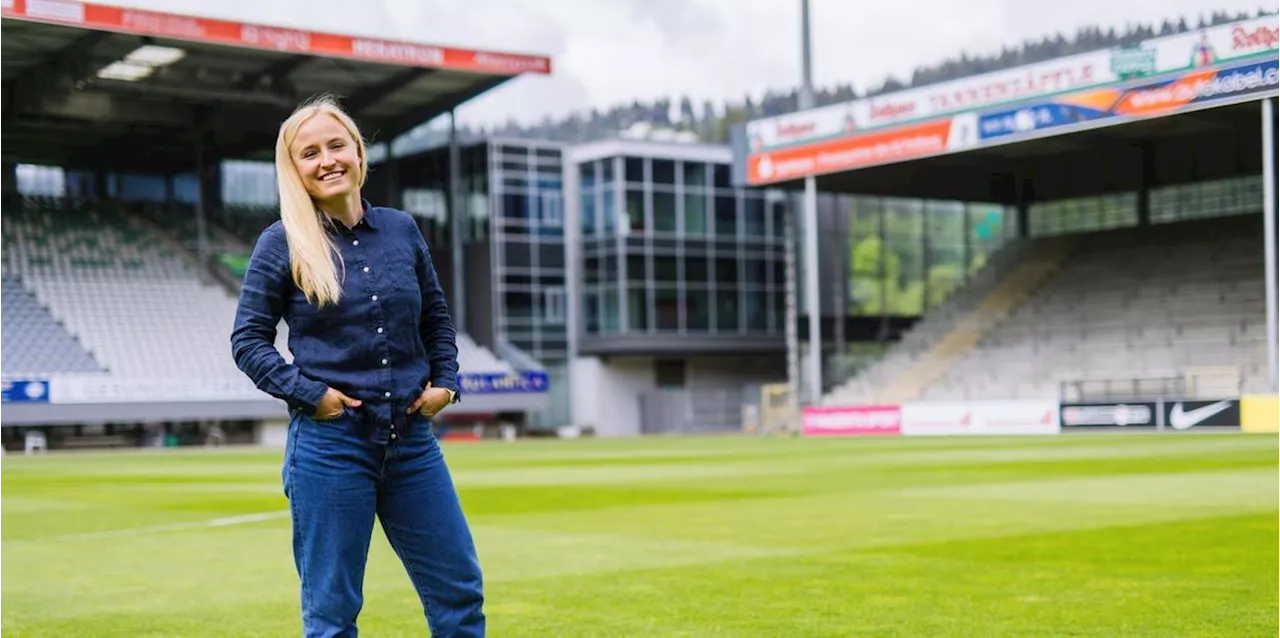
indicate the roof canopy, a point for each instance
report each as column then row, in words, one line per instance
column 92, row 85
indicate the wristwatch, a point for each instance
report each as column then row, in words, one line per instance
column 453, row 395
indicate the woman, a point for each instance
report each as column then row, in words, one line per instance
column 375, row 359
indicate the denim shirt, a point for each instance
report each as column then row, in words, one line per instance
column 388, row 335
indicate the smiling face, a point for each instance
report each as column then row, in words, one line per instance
column 327, row 158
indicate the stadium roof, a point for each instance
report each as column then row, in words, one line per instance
column 1168, row 110
column 89, row 85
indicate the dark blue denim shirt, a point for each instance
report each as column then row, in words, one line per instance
column 389, row 334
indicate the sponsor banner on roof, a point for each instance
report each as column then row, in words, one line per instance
column 1030, row 416
column 503, row 383
column 861, row 420
column 1216, row 64
column 182, row 27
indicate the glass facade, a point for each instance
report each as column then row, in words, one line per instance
column 530, row 297
column 670, row 247
column 906, row 256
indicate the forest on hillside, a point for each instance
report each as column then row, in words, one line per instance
column 712, row 122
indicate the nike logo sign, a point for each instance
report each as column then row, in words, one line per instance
column 1181, row 420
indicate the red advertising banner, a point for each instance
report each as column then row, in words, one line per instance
column 257, row 36
column 880, row 147
column 858, row 420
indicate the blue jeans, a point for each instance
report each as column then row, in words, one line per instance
column 338, row 474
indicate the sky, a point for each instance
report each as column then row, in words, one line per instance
column 606, row 52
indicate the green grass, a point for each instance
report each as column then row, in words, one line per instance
column 1098, row 535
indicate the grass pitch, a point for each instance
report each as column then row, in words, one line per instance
column 1109, row 535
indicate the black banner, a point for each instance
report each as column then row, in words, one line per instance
column 1184, row 415
column 1138, row 414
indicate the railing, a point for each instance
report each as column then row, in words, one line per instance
column 1193, row 383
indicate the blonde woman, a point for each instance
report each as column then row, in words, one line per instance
column 375, row 359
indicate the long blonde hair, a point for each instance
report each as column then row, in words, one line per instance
column 311, row 252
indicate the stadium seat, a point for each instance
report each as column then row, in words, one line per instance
column 95, row 277
column 1142, row 303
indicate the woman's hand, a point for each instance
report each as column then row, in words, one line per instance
column 333, row 404
column 430, row 402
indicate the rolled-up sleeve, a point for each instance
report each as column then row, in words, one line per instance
column 439, row 337
column 261, row 305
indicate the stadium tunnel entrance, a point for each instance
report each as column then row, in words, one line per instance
column 137, row 111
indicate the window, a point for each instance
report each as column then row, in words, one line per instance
column 695, row 174
column 588, row 211
column 552, row 215
column 553, row 305
column 637, row 310
column 664, row 211
column 635, row 210
column 636, row 270
column 727, row 271
column 664, row 269
column 695, row 269
column 591, row 312
column 695, row 213
column 669, row 373
column 664, row 172
column 726, row 215
column 697, row 308
column 727, row 310
column 753, row 215
column 667, row 309
column 587, row 174
column 634, row 170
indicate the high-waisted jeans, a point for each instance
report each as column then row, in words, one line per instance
column 338, row 474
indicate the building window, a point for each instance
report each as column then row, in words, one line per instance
column 669, row 373
column 553, row 299
column 552, row 215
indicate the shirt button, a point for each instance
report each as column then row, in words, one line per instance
column 386, row 394
column 379, row 330
column 375, row 297
column 355, row 242
column 384, row 362
column 393, row 435
column 366, row 269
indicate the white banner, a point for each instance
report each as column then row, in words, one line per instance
column 1156, row 56
column 1032, row 416
column 109, row 390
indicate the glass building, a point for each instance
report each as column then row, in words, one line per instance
column 672, row 257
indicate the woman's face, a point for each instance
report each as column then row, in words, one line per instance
column 326, row 158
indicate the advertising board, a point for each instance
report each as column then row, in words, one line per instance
column 1260, row 413
column 860, row 420
column 1184, row 415
column 1031, row 416
column 24, row 391
column 1140, row 414
column 103, row 17
column 1217, row 64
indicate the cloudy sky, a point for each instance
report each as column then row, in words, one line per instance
column 606, row 52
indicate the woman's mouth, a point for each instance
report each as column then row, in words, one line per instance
column 332, row 175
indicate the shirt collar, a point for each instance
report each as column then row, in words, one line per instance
column 368, row 220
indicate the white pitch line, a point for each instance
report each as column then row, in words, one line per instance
column 225, row 521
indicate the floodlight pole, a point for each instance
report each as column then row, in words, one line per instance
column 810, row 217
column 1269, row 235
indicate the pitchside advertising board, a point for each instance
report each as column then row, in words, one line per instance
column 1173, row 415
column 1161, row 76
column 925, row 418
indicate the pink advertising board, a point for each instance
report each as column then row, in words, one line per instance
column 858, row 420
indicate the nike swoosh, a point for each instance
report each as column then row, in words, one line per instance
column 1180, row 420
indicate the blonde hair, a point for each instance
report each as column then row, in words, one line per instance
column 311, row 251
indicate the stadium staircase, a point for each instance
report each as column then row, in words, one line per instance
column 968, row 330
column 1168, row 301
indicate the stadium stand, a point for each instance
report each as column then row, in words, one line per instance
column 34, row 344
column 1144, row 303
column 128, row 294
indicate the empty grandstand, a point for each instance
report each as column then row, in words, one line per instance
column 1143, row 263
column 119, row 253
